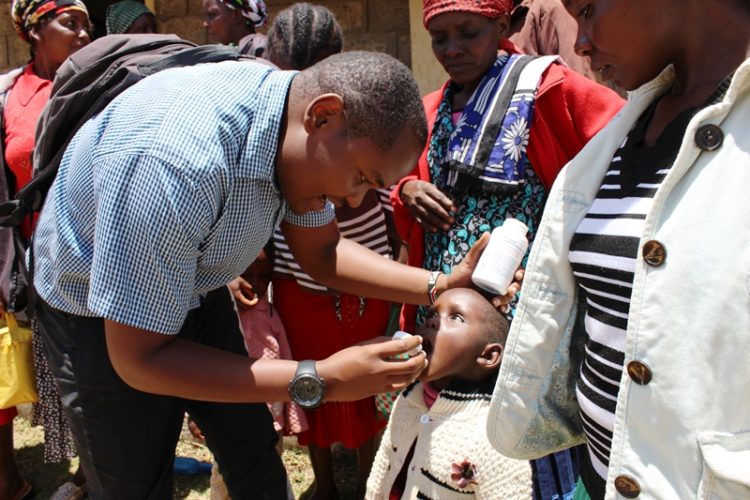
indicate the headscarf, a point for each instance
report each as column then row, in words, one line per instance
column 121, row 15
column 29, row 13
column 487, row 8
column 254, row 11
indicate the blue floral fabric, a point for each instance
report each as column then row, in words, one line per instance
column 477, row 211
column 487, row 149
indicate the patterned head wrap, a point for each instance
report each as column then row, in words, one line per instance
column 254, row 11
column 121, row 15
column 28, row 13
column 487, row 8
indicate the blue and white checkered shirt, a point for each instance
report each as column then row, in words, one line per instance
column 165, row 195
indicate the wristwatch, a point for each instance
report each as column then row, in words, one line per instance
column 307, row 389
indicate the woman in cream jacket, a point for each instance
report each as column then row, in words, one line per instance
column 633, row 328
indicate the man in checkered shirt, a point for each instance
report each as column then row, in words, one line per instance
column 170, row 193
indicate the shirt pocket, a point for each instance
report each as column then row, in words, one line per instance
column 726, row 465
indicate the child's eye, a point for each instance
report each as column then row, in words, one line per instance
column 458, row 317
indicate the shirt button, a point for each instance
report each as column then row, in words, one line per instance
column 639, row 372
column 709, row 137
column 627, row 486
column 654, row 253
column 425, row 419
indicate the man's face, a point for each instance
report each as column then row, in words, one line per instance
column 326, row 166
column 454, row 335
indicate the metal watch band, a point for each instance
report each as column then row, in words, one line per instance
column 432, row 286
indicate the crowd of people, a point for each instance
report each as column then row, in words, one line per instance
column 240, row 248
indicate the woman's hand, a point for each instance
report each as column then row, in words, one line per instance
column 369, row 368
column 428, row 205
column 501, row 302
column 243, row 292
column 460, row 277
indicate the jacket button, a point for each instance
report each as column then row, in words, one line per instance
column 627, row 486
column 709, row 137
column 654, row 253
column 639, row 372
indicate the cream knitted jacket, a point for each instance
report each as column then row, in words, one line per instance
column 451, row 432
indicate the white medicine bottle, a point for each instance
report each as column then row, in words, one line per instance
column 501, row 258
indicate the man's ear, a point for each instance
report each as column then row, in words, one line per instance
column 490, row 357
column 326, row 110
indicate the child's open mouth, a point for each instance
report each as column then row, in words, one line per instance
column 427, row 346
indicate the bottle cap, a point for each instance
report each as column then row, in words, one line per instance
column 517, row 225
column 402, row 335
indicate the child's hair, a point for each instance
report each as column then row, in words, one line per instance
column 302, row 35
column 497, row 325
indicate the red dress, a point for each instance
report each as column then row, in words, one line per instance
column 314, row 332
column 320, row 324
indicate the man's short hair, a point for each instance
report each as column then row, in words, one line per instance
column 380, row 95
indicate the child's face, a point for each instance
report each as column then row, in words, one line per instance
column 455, row 338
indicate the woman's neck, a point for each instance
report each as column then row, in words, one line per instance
column 711, row 50
column 43, row 68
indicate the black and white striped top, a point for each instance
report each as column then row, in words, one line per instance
column 370, row 224
column 603, row 255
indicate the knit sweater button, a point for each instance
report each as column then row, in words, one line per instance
column 425, row 419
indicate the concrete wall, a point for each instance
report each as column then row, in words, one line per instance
column 392, row 26
column 428, row 72
column 381, row 25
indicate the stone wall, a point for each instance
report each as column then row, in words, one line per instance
column 381, row 25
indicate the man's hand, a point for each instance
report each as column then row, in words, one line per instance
column 370, row 368
column 428, row 205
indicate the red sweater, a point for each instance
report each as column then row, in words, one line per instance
column 570, row 109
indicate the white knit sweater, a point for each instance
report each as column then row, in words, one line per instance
column 451, row 432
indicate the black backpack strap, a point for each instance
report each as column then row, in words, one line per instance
column 192, row 56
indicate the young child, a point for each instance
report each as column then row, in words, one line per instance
column 264, row 337
column 435, row 445
column 264, row 333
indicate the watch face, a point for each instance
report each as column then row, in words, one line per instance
column 307, row 391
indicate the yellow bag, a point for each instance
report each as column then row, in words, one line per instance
column 17, row 377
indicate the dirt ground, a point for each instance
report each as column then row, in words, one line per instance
column 45, row 478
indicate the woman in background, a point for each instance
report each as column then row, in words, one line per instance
column 128, row 17
column 502, row 128
column 54, row 29
column 233, row 22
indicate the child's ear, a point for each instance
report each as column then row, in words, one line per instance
column 491, row 356
column 324, row 110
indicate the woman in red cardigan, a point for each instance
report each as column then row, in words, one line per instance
column 502, row 128
column 440, row 217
